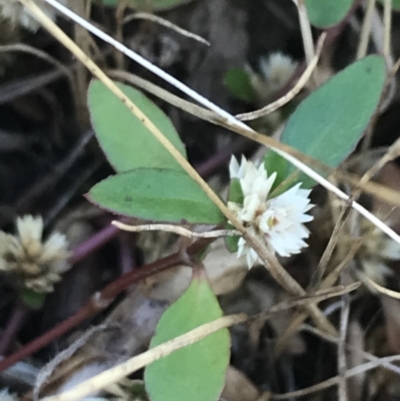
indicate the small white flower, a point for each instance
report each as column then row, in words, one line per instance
column 275, row 70
column 279, row 221
column 34, row 263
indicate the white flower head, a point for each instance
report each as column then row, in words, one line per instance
column 277, row 69
column 279, row 221
column 34, row 263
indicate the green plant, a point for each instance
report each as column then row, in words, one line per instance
column 150, row 185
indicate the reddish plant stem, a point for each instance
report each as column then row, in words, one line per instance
column 16, row 320
column 101, row 300
column 93, row 243
column 126, row 251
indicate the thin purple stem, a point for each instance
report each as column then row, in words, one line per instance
column 93, row 243
column 14, row 324
column 127, row 262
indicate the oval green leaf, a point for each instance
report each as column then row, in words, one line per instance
column 196, row 372
column 327, row 13
column 127, row 143
column 328, row 124
column 158, row 195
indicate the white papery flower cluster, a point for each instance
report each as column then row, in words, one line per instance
column 33, row 263
column 279, row 221
column 15, row 12
column 274, row 72
column 277, row 69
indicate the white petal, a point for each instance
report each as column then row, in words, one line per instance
column 234, row 168
column 57, row 242
column 264, row 187
column 248, row 252
column 243, row 166
column 252, row 257
column 241, row 247
column 282, row 221
column 251, row 205
column 278, row 245
column 30, row 228
column 252, row 178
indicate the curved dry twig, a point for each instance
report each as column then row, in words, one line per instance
column 174, row 229
column 167, row 24
column 268, row 109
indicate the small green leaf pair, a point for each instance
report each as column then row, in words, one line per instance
column 151, row 185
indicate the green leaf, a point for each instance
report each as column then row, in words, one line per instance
column 127, row 143
column 231, row 241
column 327, row 13
column 33, row 299
column 196, row 372
column 156, row 194
column 155, row 5
column 238, row 82
column 328, row 124
column 276, row 163
column 235, row 194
